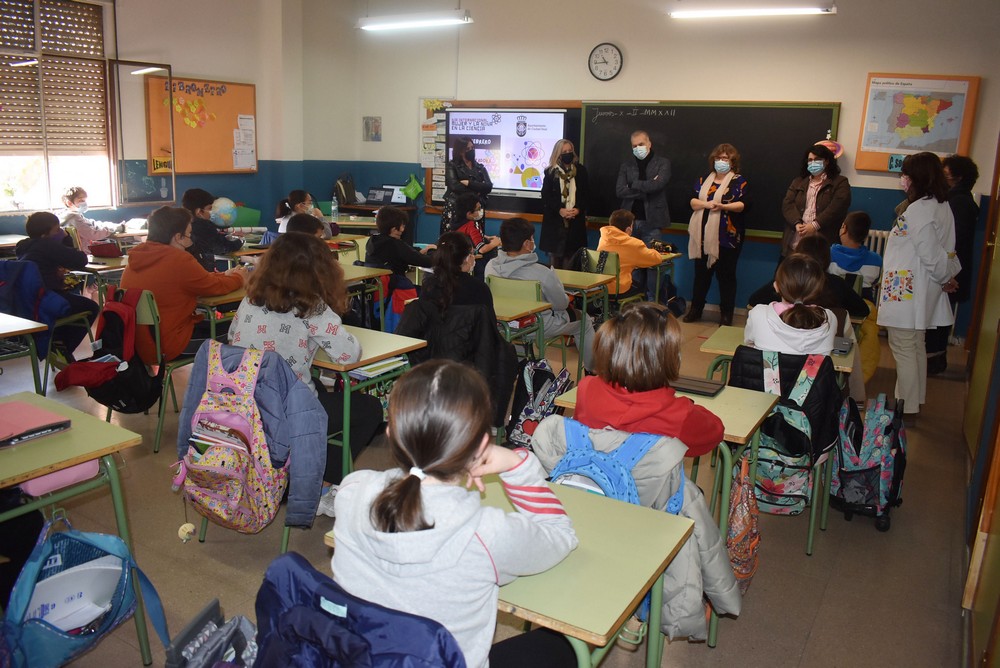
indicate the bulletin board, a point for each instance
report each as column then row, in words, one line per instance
column 215, row 126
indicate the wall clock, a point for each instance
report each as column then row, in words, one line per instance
column 605, row 61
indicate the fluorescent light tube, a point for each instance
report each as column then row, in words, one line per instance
column 408, row 21
column 148, row 70
column 681, row 9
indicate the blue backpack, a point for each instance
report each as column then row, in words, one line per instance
column 306, row 619
column 22, row 293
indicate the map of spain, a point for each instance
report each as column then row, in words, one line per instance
column 909, row 121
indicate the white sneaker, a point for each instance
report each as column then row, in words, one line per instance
column 326, row 501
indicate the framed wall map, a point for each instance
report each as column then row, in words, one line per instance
column 910, row 113
column 215, row 126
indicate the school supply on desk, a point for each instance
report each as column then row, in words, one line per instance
column 226, row 474
column 526, row 321
column 842, row 345
column 135, row 224
column 700, row 386
column 75, row 588
column 21, row 421
column 869, row 461
column 378, row 368
column 105, row 249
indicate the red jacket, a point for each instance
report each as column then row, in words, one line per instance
column 176, row 280
column 659, row 412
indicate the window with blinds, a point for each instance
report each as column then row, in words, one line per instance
column 53, row 108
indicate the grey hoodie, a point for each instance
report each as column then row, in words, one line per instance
column 451, row 572
column 526, row 268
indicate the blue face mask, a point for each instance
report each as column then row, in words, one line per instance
column 721, row 166
column 82, row 207
column 814, row 167
column 640, row 152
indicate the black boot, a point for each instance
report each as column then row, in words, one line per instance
column 693, row 315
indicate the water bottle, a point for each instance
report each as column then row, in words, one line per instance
column 334, row 210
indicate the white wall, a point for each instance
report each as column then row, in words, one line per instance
column 537, row 49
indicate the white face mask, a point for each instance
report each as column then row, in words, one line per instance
column 82, row 206
column 477, row 215
column 722, row 166
column 640, row 151
column 904, row 183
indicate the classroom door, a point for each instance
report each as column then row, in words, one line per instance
column 988, row 306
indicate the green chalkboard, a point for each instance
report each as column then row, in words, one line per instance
column 770, row 136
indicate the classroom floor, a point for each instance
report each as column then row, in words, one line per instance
column 863, row 599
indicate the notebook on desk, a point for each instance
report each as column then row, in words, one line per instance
column 21, row 421
column 701, row 386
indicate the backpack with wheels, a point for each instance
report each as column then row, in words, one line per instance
column 118, row 377
column 869, row 461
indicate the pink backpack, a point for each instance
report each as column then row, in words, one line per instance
column 227, row 474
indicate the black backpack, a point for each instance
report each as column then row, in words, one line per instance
column 344, row 191
column 123, row 385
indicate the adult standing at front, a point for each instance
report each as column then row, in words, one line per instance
column 816, row 201
column 564, row 206
column 642, row 188
column 716, row 231
column 918, row 272
column 463, row 175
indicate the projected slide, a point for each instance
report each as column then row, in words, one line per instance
column 514, row 146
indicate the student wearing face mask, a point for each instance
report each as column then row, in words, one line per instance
column 469, row 216
column 564, row 206
column 300, row 201
column 642, row 188
column 463, row 175
column 716, row 231
column 88, row 231
column 817, row 200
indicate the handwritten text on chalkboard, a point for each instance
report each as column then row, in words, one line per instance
column 200, row 89
column 636, row 112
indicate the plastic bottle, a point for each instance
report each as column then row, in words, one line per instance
column 334, row 210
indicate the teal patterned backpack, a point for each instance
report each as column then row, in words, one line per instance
column 784, row 462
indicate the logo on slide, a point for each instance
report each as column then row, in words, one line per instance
column 522, row 126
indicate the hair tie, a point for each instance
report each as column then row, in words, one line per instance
column 797, row 302
column 419, row 472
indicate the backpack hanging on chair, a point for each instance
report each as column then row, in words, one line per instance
column 534, row 399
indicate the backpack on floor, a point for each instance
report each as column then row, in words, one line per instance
column 869, row 460
column 115, row 376
column 227, row 474
column 534, row 399
column 784, row 463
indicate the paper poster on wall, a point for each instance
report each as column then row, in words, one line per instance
column 908, row 113
column 214, row 125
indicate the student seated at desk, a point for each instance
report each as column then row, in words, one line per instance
column 387, row 248
column 636, row 356
column 44, row 246
column 517, row 260
column 87, row 230
column 794, row 325
column 163, row 265
column 616, row 237
column 306, row 223
column 207, row 239
column 300, row 201
column 292, row 307
column 469, row 220
column 415, row 538
column 851, row 256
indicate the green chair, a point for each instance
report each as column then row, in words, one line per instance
column 148, row 314
column 325, row 207
column 247, row 217
column 51, row 357
column 612, row 267
column 512, row 288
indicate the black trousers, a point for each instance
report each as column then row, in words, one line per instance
column 71, row 336
column 541, row 648
column 366, row 423
column 724, row 270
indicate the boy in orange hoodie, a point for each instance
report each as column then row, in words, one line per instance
column 633, row 256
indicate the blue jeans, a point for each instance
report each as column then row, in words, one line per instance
column 646, row 232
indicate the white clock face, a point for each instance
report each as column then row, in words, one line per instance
column 605, row 61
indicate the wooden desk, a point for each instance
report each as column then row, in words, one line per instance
column 588, row 597
column 10, row 240
column 88, row 438
column 345, row 222
column 584, row 283
column 358, row 274
column 725, row 340
column 353, row 241
column 10, row 326
column 211, row 303
column 375, row 346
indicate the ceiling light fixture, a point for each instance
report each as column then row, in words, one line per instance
column 681, row 9
column 148, row 70
column 422, row 20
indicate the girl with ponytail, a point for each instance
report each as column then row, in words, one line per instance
column 417, row 539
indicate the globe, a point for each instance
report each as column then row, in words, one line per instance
column 223, row 212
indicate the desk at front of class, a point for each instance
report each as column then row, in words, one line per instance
column 725, row 340
column 588, row 597
column 357, row 274
column 10, row 326
column 375, row 346
column 87, row 438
